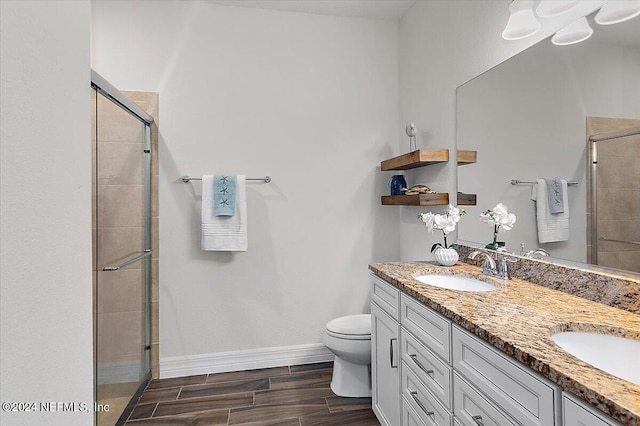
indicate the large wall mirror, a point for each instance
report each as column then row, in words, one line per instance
column 530, row 118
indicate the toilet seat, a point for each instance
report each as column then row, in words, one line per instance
column 352, row 327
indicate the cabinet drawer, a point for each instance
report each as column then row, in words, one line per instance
column 529, row 399
column 434, row 374
column 472, row 409
column 386, row 296
column 409, row 416
column 425, row 405
column 432, row 329
column 577, row 413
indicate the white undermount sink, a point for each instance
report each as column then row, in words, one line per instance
column 615, row 355
column 455, row 282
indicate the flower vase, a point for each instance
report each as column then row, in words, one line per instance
column 446, row 256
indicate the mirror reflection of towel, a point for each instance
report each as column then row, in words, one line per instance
column 556, row 195
column 551, row 227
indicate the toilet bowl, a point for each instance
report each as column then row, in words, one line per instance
column 349, row 338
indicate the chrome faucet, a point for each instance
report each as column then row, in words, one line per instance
column 540, row 251
column 489, row 266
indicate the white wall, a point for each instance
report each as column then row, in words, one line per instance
column 543, row 123
column 310, row 100
column 46, row 316
column 443, row 44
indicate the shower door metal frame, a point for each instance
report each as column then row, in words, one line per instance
column 106, row 89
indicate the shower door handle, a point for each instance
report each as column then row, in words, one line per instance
column 637, row 243
column 128, row 261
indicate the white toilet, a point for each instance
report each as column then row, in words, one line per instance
column 349, row 338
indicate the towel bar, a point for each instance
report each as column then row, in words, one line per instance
column 187, row 179
column 522, row 182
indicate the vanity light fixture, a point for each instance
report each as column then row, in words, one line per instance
column 614, row 12
column 551, row 8
column 522, row 22
column 573, row 33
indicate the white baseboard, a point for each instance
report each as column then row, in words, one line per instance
column 221, row 362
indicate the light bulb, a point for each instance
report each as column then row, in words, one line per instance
column 617, row 11
column 550, row 8
column 573, row 33
column 522, row 22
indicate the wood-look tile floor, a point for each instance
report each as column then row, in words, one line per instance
column 283, row 396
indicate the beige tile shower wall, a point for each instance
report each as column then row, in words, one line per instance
column 149, row 103
column 618, row 194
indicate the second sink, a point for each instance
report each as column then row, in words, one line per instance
column 455, row 282
column 615, row 355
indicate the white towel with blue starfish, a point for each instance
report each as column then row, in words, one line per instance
column 224, row 233
column 224, row 195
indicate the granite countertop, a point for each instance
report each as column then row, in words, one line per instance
column 519, row 320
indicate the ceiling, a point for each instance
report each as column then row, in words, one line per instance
column 391, row 10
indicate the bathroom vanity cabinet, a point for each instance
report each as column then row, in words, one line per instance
column 444, row 375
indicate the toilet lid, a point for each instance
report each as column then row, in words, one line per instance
column 354, row 325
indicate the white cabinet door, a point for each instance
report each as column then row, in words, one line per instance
column 385, row 367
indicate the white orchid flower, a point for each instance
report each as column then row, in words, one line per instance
column 499, row 217
column 487, row 218
column 428, row 219
column 500, row 210
column 508, row 222
column 454, row 212
column 445, row 223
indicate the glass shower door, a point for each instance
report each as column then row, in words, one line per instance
column 122, row 264
column 617, row 196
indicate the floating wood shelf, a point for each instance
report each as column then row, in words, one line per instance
column 416, row 200
column 415, row 159
column 467, row 157
column 466, row 199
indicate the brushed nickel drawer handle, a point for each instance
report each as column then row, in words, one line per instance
column 414, row 358
column 415, row 398
column 478, row 420
column 391, row 352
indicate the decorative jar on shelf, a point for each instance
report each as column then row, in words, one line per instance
column 446, row 256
